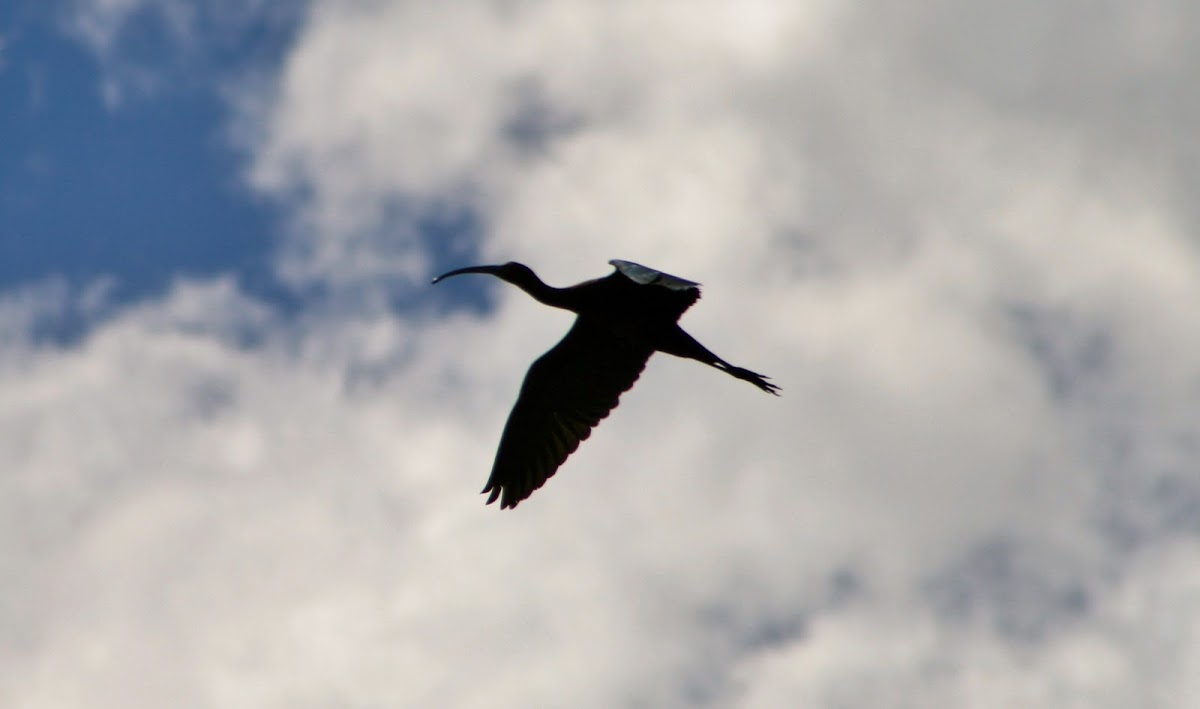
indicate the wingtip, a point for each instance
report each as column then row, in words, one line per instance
column 507, row 502
column 494, row 496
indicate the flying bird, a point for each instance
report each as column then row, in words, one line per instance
column 621, row 320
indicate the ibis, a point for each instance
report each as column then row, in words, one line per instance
column 621, row 320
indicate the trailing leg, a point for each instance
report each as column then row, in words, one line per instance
column 679, row 343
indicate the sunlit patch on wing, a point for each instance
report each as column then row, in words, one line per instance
column 648, row 276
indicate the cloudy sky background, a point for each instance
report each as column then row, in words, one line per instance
column 241, row 437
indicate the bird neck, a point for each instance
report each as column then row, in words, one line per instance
column 548, row 295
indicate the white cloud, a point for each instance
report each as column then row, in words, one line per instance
column 908, row 659
column 146, row 47
column 978, row 489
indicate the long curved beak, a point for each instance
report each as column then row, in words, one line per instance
column 492, row 270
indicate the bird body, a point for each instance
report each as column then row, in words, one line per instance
column 622, row 319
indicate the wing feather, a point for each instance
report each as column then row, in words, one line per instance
column 566, row 393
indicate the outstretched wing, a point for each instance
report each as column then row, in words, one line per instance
column 672, row 293
column 566, row 392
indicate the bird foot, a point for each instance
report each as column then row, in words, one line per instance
column 754, row 378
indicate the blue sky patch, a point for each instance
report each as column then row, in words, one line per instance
column 141, row 193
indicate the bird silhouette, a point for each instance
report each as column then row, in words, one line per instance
column 621, row 320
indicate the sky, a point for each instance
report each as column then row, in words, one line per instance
column 242, row 437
